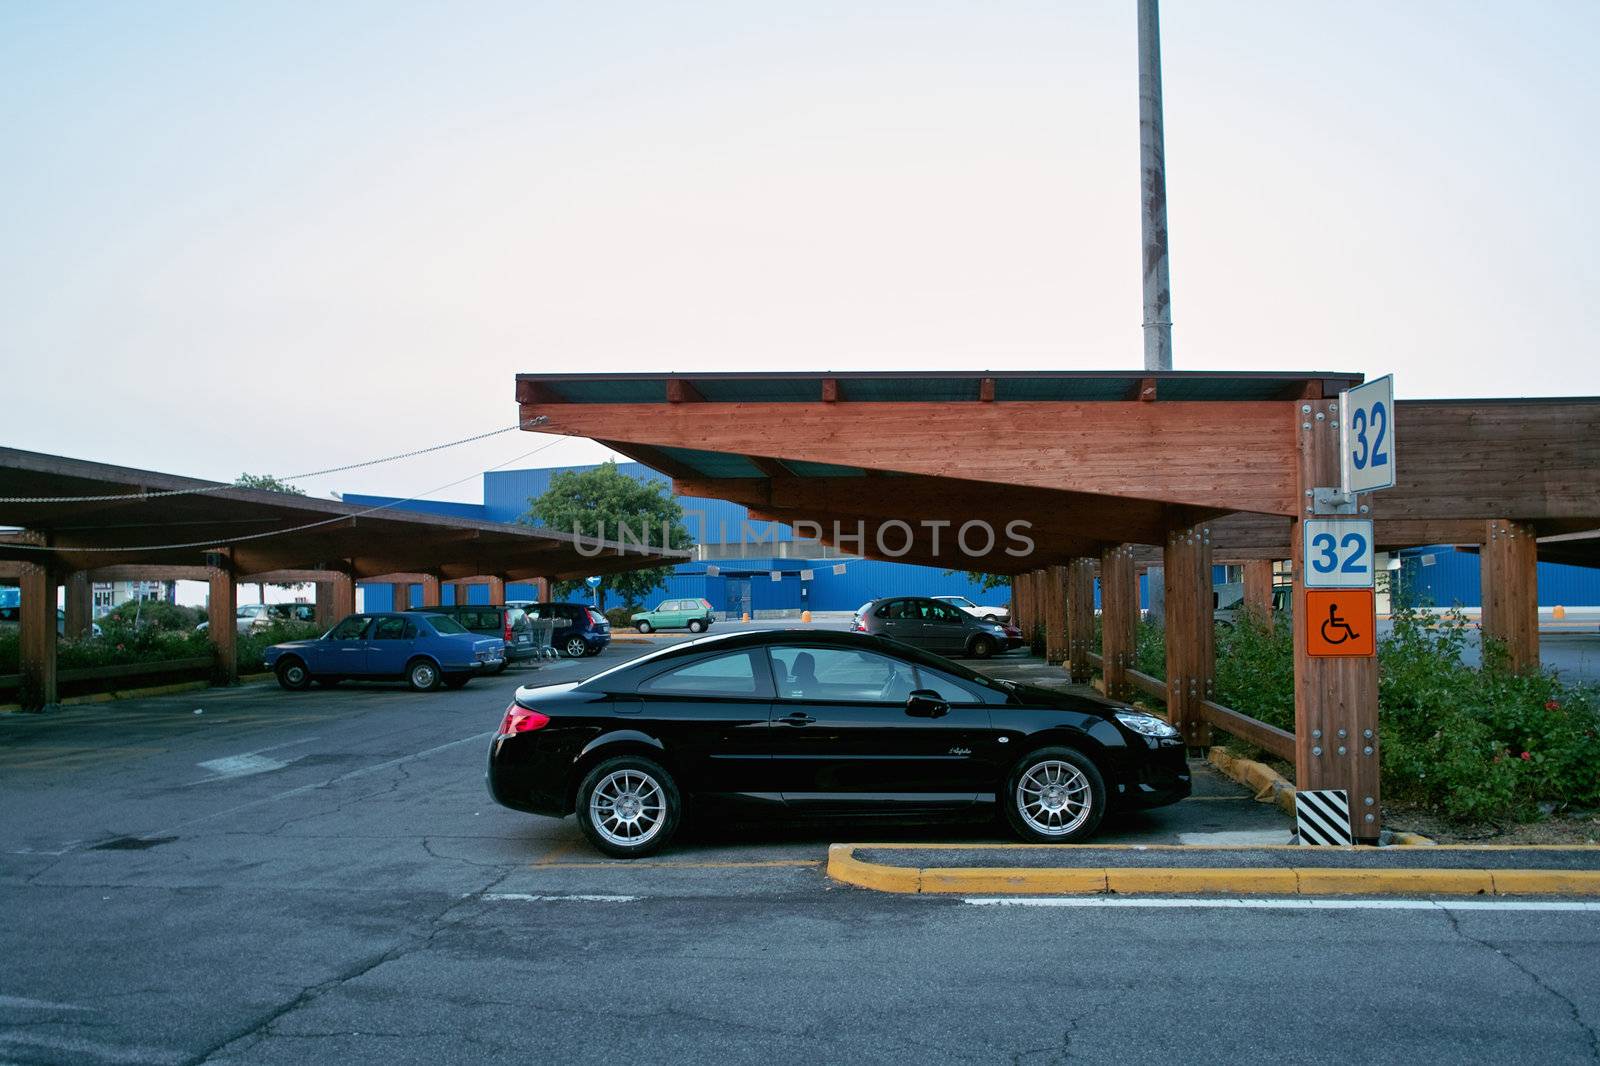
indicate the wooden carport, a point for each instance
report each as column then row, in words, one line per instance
column 1112, row 471
column 78, row 522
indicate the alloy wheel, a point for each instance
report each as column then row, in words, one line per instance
column 1054, row 797
column 628, row 808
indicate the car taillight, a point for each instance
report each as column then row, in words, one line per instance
column 860, row 625
column 520, row 719
column 594, row 619
column 508, row 627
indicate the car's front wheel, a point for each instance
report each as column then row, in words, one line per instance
column 293, row 675
column 1055, row 796
column 644, row 626
column 628, row 807
column 422, row 675
column 576, row 647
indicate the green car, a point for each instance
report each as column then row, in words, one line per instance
column 695, row 615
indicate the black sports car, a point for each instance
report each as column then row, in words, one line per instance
column 822, row 724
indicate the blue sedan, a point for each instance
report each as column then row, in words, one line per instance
column 427, row 650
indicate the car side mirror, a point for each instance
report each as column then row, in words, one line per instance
column 926, row 703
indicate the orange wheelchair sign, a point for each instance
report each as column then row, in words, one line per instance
column 1341, row 622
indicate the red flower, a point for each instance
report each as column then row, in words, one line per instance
column 1526, row 756
column 1552, row 705
column 119, row 647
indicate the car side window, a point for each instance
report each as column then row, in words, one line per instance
column 939, row 612
column 884, row 609
column 390, row 629
column 732, row 675
column 949, row 689
column 840, row 675
column 351, row 628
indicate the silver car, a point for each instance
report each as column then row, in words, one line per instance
column 930, row 625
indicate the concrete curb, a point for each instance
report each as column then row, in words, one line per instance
column 1271, row 787
column 845, row 867
column 117, row 695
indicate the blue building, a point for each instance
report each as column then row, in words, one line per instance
column 741, row 565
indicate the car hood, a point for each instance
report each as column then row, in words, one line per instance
column 1041, row 698
column 288, row 644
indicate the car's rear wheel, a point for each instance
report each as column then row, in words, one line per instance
column 628, row 807
column 293, row 675
column 422, row 675
column 576, row 647
column 644, row 626
column 1055, row 796
column 697, row 626
column 981, row 647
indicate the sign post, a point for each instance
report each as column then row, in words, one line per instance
column 1346, row 449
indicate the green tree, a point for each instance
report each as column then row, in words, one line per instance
column 984, row 581
column 603, row 502
column 271, row 484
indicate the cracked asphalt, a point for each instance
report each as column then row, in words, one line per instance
column 321, row 878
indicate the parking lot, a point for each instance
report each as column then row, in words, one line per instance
column 250, row 875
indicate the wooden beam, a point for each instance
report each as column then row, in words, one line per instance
column 222, row 630
column 1158, row 451
column 1258, row 590
column 1080, row 618
column 1336, row 699
column 771, row 467
column 986, row 390
column 830, row 390
column 1509, row 568
column 1119, row 618
column 654, row 458
column 1190, row 654
column 36, row 622
column 1279, row 742
column 1144, row 390
column 680, row 390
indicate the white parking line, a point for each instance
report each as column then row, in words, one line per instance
column 1091, row 902
column 523, row 897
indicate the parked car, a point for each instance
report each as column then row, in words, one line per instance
column 510, row 624
column 994, row 614
column 579, row 629
column 822, row 724
column 931, row 625
column 11, row 617
column 425, row 649
column 254, row 617
column 694, row 615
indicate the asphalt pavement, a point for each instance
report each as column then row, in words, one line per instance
column 321, row 877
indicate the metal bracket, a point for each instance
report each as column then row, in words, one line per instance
column 1332, row 501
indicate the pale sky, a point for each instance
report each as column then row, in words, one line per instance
column 279, row 237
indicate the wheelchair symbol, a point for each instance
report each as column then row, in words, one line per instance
column 1335, row 624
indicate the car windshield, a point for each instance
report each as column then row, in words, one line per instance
column 446, row 625
column 959, row 601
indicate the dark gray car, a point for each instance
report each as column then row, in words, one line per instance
column 930, row 625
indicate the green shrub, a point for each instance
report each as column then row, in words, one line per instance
column 1150, row 649
column 249, row 649
column 152, row 614
column 1255, row 669
column 621, row 617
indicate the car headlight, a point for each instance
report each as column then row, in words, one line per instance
column 1148, row 724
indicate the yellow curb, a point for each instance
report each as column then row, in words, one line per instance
column 845, row 867
column 1268, row 785
column 1401, row 838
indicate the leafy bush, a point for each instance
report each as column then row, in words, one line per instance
column 249, row 649
column 621, row 617
column 1255, row 669
column 1150, row 649
column 1476, row 744
column 152, row 614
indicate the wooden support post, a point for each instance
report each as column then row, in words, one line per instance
column 1080, row 619
column 400, row 597
column 1022, row 603
column 37, row 639
column 1258, row 589
column 546, row 588
column 497, row 590
column 324, row 604
column 341, row 595
column 222, row 627
column 1508, row 565
column 1055, row 621
column 1186, row 569
column 430, row 590
column 461, row 592
column 1335, row 698
column 79, row 605
column 1119, row 618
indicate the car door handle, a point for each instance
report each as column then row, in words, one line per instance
column 797, row 718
